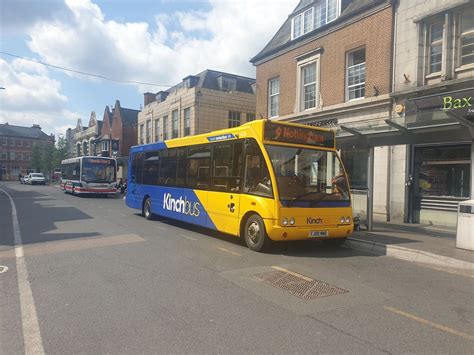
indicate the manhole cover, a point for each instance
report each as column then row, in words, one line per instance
column 300, row 286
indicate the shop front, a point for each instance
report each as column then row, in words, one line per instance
column 428, row 166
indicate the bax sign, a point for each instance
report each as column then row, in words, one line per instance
column 459, row 102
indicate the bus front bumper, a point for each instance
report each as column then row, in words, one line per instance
column 279, row 233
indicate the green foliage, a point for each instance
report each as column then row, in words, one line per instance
column 36, row 157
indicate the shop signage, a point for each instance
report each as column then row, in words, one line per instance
column 459, row 102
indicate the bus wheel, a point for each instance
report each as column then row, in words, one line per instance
column 254, row 234
column 146, row 211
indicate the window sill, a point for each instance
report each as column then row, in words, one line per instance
column 464, row 67
column 433, row 75
column 357, row 99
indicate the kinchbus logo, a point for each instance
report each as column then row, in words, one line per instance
column 449, row 103
column 181, row 205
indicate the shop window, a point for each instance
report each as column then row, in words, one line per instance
column 356, row 164
column 443, row 171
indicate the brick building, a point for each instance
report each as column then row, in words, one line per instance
column 201, row 103
column 329, row 65
column 16, row 144
column 118, row 134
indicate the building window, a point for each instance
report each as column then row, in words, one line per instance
column 27, row 144
column 148, row 131
column 187, row 121
column 303, row 23
column 467, row 39
column 250, row 116
column 19, row 143
column 157, row 130
column 165, row 128
column 436, row 46
column 234, row 119
column 227, row 84
column 4, row 141
column 308, row 86
column 174, row 124
column 4, row 155
column 142, row 128
column 355, row 76
column 274, row 97
column 12, row 142
column 12, row 156
column 18, row 156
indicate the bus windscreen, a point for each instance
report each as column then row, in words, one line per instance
column 96, row 170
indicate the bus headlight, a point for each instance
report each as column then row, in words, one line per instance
column 292, row 221
column 284, row 222
column 343, row 220
column 348, row 219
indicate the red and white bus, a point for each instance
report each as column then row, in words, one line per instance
column 89, row 175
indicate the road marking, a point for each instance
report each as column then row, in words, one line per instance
column 292, row 273
column 29, row 319
column 432, row 324
column 3, row 269
column 187, row 237
column 229, row 251
column 61, row 246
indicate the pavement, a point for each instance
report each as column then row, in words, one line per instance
column 425, row 244
column 89, row 275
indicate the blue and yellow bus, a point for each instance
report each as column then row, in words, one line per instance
column 263, row 181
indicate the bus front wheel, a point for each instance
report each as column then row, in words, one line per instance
column 146, row 211
column 254, row 234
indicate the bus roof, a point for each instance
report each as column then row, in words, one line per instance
column 255, row 129
column 73, row 160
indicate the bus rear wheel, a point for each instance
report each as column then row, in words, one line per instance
column 255, row 235
column 146, row 210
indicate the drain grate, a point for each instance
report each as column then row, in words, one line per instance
column 300, row 286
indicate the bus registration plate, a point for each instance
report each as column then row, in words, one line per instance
column 318, row 234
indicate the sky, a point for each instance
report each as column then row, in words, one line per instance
column 149, row 41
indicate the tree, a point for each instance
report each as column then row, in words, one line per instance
column 36, row 157
column 60, row 151
column 47, row 157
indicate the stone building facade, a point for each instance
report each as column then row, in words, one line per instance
column 433, row 78
column 85, row 136
column 201, row 103
column 16, row 144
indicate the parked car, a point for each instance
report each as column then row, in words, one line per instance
column 25, row 179
column 36, row 179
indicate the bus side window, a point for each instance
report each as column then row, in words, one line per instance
column 137, row 168
column 226, row 162
column 168, row 167
column 256, row 176
column 151, row 168
column 198, row 166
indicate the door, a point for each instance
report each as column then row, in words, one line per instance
column 225, row 187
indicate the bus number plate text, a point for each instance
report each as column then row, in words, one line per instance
column 318, row 234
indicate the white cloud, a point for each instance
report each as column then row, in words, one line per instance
column 30, row 96
column 179, row 44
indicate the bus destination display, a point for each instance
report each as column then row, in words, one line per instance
column 100, row 161
column 298, row 135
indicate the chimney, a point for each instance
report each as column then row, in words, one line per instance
column 36, row 126
column 149, row 98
